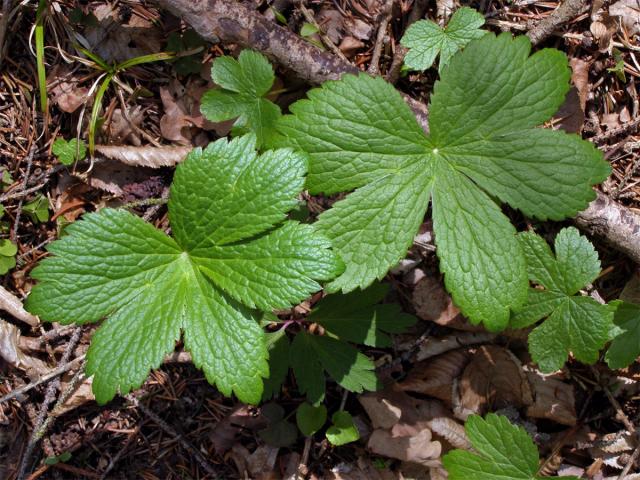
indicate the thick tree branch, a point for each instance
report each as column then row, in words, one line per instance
column 232, row 22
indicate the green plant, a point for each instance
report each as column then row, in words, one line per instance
column 42, row 74
column 231, row 256
column 244, row 83
column 109, row 74
column 356, row 317
column 574, row 323
column 483, row 146
column 426, row 39
column 342, row 429
column 8, row 251
column 70, row 151
column 37, row 209
column 188, row 45
column 310, row 418
column 625, row 346
column 502, row 451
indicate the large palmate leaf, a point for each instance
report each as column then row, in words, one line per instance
column 230, row 252
column 483, row 146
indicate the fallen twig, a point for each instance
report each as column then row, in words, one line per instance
column 374, row 68
column 308, row 16
column 12, row 305
column 617, row 224
column 567, row 10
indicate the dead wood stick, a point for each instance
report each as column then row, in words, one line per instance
column 566, row 11
column 232, row 22
column 617, row 224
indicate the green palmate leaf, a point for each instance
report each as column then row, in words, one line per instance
column 343, row 430
column 69, row 151
column 153, row 287
column 573, row 323
column 625, row 347
column 426, row 39
column 310, row 418
column 483, row 146
column 244, row 83
column 278, row 348
column 502, row 452
column 279, row 432
column 356, row 317
column 311, row 355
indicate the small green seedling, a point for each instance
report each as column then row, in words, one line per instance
column 501, row 451
column 37, row 209
column 342, row 430
column 426, row 39
column 574, row 323
column 8, row 251
column 355, row 317
column 244, row 83
column 279, row 432
column 70, row 151
column 484, row 146
column 184, row 44
column 232, row 255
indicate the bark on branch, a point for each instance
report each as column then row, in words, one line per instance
column 231, row 22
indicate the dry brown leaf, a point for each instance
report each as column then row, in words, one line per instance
column 226, row 430
column 153, row 157
column 391, row 406
column 64, row 90
column 631, row 291
column 438, row 345
column 12, row 354
column 130, row 183
column 552, row 399
column 13, row 306
column 435, row 376
column 493, row 379
column 261, row 463
column 349, row 46
column 580, row 78
column 122, row 130
column 629, row 13
column 358, row 29
column 331, row 22
column 115, row 41
column 81, row 395
column 570, row 116
column 451, row 431
column 416, row 448
column 176, row 123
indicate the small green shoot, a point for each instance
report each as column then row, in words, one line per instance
column 70, row 151
column 42, row 74
column 343, row 430
column 37, row 209
column 244, row 84
column 426, row 39
column 625, row 347
column 8, row 251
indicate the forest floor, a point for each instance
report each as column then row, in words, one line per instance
column 176, row 425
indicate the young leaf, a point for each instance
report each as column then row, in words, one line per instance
column 483, row 145
column 574, row 323
column 8, row 251
column 37, row 209
column 244, row 83
column 69, row 151
column 279, row 432
column 343, row 430
column 312, row 355
column 355, row 317
column 625, row 347
column 310, row 419
column 426, row 39
column 225, row 207
column 502, row 451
